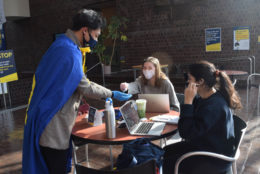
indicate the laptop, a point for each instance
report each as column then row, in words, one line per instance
column 158, row 103
column 133, row 123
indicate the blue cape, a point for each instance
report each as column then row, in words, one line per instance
column 56, row 78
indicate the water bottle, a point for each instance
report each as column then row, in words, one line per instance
column 110, row 119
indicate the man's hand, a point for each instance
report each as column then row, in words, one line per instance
column 121, row 96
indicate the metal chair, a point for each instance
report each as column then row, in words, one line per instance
column 253, row 64
column 147, row 167
column 248, row 86
column 180, row 97
column 239, row 128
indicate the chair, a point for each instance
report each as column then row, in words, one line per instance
column 239, row 128
column 147, row 167
column 180, row 97
column 83, row 109
column 248, row 86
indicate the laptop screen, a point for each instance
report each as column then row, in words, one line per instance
column 129, row 113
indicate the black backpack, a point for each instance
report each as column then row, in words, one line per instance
column 139, row 151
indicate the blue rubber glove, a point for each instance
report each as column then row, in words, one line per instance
column 121, row 96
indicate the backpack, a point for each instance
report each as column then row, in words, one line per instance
column 139, row 151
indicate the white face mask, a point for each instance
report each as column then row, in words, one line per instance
column 148, row 74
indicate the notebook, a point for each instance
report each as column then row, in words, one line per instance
column 158, row 103
column 133, row 123
column 171, row 119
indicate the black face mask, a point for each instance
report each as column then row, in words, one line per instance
column 91, row 43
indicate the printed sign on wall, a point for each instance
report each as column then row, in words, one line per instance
column 7, row 66
column 213, row 39
column 241, row 38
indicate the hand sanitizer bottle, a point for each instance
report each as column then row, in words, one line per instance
column 110, row 119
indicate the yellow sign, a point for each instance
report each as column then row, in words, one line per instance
column 7, row 67
column 213, row 47
column 5, row 54
column 241, row 38
column 242, row 34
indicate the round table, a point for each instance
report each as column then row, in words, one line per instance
column 83, row 132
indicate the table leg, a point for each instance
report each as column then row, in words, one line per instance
column 258, row 100
column 86, row 153
column 162, row 143
column 74, row 157
column 111, row 157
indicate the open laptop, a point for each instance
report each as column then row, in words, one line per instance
column 158, row 103
column 133, row 123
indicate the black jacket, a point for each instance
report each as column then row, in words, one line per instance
column 208, row 125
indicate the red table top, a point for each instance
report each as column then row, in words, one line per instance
column 97, row 135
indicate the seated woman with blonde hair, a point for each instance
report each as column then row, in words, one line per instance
column 152, row 81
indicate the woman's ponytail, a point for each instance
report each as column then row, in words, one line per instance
column 215, row 78
column 227, row 89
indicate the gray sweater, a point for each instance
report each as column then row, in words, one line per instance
column 137, row 87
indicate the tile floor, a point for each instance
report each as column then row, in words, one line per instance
column 11, row 137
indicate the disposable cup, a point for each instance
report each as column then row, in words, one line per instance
column 141, row 107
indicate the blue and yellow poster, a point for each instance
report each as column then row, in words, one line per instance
column 213, row 39
column 7, row 66
column 241, row 39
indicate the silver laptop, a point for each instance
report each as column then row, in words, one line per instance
column 158, row 103
column 133, row 123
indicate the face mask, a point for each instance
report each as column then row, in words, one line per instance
column 148, row 74
column 91, row 43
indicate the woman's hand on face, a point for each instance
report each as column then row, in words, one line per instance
column 189, row 93
column 124, row 86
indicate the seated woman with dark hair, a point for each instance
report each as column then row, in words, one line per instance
column 152, row 81
column 206, row 120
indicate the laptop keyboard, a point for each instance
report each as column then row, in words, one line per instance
column 144, row 128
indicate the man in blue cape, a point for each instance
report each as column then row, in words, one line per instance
column 58, row 86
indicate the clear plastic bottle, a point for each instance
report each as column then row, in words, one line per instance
column 110, row 119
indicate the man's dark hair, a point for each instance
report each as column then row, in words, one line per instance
column 88, row 18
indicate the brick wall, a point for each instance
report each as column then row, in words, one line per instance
column 173, row 32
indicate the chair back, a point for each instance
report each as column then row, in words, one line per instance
column 239, row 129
column 146, row 167
column 180, row 97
